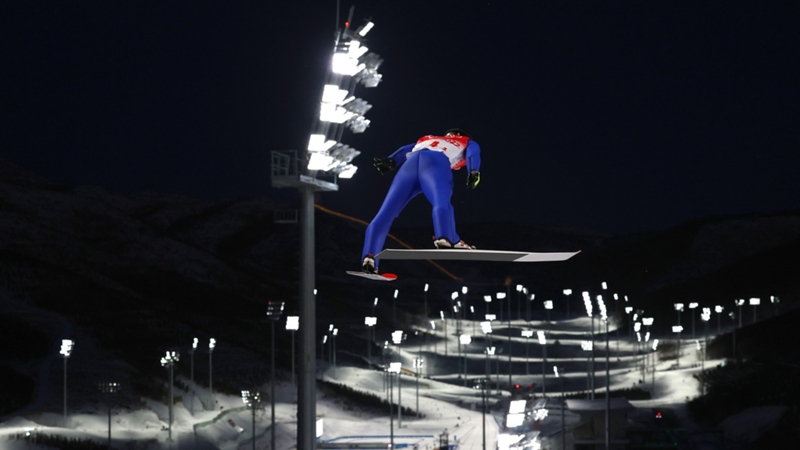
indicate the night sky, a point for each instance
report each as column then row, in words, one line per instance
column 616, row 116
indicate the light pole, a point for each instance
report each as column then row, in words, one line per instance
column 490, row 351
column 394, row 305
column 444, row 321
column 486, row 328
column 755, row 302
column 718, row 309
column 169, row 361
column 481, row 384
column 394, row 367
column 588, row 346
column 527, row 334
column 253, row 400
column 191, row 371
column 397, row 339
column 435, row 354
column 647, row 322
column 453, row 296
column 335, row 332
column 740, row 303
column 274, row 312
column 587, row 302
column 425, row 303
column 543, row 343
column 604, row 317
column 775, row 301
column 628, row 311
column 465, row 340
column 655, row 354
column 293, row 324
column 370, row 322
column 563, row 407
column 679, row 310
column 693, row 306
column 109, row 389
column 519, row 289
column 418, row 363
column 567, row 293
column 351, row 64
column 548, row 306
column 211, row 344
column 65, row 352
column 501, row 296
column 705, row 317
column 677, row 329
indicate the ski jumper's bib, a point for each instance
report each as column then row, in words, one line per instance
column 453, row 147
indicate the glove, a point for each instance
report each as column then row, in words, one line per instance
column 383, row 165
column 473, row 179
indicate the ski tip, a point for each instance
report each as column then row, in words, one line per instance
column 390, row 276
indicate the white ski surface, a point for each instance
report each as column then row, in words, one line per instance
column 374, row 276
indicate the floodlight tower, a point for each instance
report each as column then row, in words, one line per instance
column 444, row 321
column 195, row 341
column 65, row 352
column 587, row 302
column 394, row 367
column 718, row 309
column 647, row 322
column 252, row 400
column 705, row 317
column 775, row 301
column 693, row 306
column 755, row 302
column 678, row 329
column 293, row 324
column 527, row 334
column 604, row 317
column 519, row 289
column 394, row 305
column 397, row 339
column 543, row 343
column 351, row 64
column 490, row 351
column 679, row 310
column 567, row 293
column 740, row 303
column 109, row 389
column 370, row 322
column 212, row 343
column 588, row 346
column 465, row 340
column 169, row 361
column 500, row 296
column 274, row 312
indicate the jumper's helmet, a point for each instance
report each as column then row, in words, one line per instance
column 457, row 131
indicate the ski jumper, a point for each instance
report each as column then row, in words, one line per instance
column 425, row 167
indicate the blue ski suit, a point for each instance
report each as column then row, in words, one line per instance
column 424, row 167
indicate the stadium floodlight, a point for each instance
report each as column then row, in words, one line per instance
column 325, row 339
column 655, row 344
column 604, row 285
column 555, row 371
column 638, row 337
column 491, row 350
column 628, row 309
column 739, row 302
column 491, row 317
column 616, row 297
column 293, row 323
column 542, row 339
column 464, row 290
column 441, row 314
column 465, row 339
column 519, row 288
column 587, row 346
column 647, row 321
column 637, row 326
column 487, row 298
column 539, row 414
column 454, row 295
column 677, row 328
column 500, row 295
column 693, row 305
column 567, row 291
column 486, row 327
column 321, row 162
column 679, row 307
column 647, row 337
column 335, row 331
column 626, row 299
column 169, row 361
column 394, row 367
column 705, row 316
column 527, row 333
column 397, row 337
column 548, row 304
column 635, row 316
column 718, row 309
column 332, row 94
column 433, row 325
column 212, row 343
column 364, row 29
column 372, row 321
column 755, row 301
